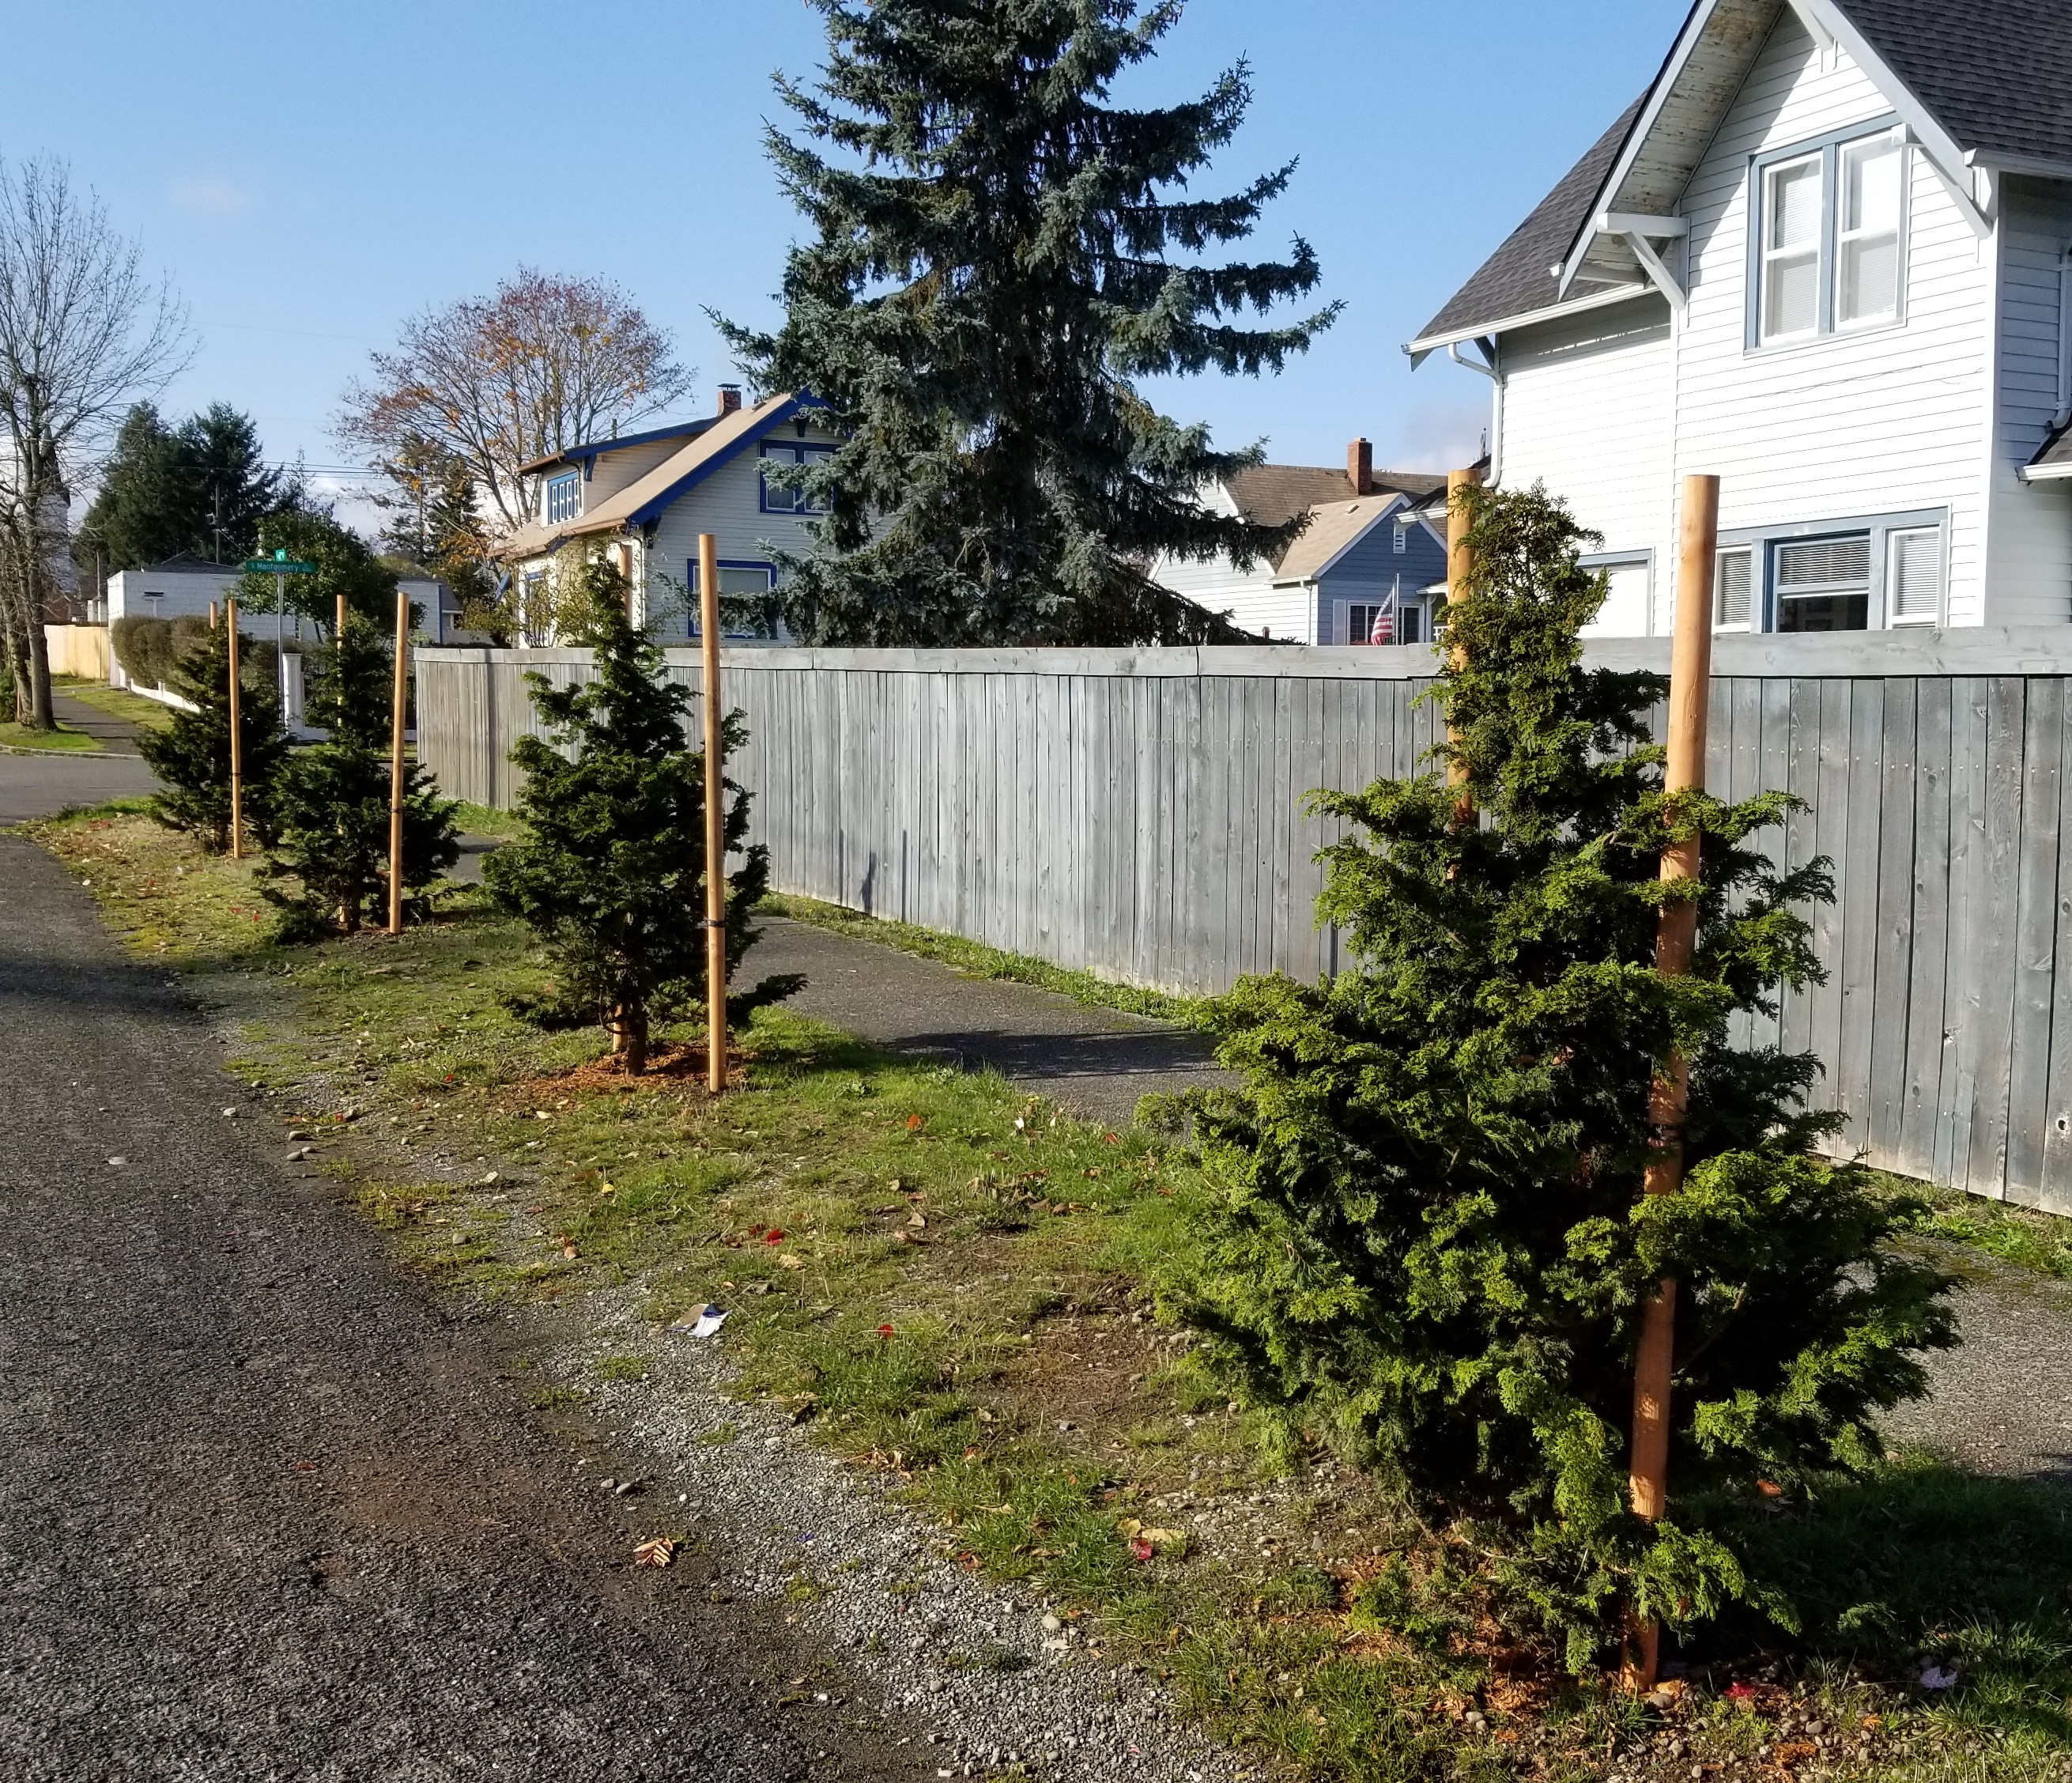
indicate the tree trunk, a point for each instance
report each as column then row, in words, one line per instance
column 42, row 716
column 635, row 1030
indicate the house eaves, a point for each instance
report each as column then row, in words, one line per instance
column 644, row 499
column 590, row 450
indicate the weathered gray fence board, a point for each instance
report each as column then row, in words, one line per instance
column 1141, row 812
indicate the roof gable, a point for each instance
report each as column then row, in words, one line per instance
column 1989, row 81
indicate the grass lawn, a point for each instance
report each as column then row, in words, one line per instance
column 116, row 701
column 948, row 1281
column 64, row 738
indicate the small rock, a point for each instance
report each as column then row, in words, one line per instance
column 1052, row 1625
column 118, row 1162
column 230, row 1113
column 298, row 1154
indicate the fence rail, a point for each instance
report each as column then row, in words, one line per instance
column 1141, row 814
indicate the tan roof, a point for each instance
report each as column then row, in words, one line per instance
column 1332, row 526
column 1272, row 495
column 615, row 510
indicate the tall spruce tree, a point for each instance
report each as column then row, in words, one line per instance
column 144, row 511
column 234, row 491
column 191, row 757
column 612, row 873
column 331, row 800
column 999, row 259
column 1427, row 1241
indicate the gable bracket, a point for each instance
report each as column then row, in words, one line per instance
column 1958, row 183
column 1816, row 27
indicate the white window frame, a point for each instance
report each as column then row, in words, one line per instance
column 1828, row 151
column 1771, row 255
column 1748, row 621
column 1622, row 560
column 1844, row 236
column 1763, row 541
column 1893, row 537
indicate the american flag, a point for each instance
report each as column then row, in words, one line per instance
column 1383, row 631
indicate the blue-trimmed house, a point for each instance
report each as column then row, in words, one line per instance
column 646, row 496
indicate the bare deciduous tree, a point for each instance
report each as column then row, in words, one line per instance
column 498, row 381
column 83, row 332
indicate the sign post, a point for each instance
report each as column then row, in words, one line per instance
column 396, row 764
column 715, row 820
column 279, row 565
column 237, row 740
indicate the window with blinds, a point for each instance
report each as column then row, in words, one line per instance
column 1914, row 576
column 1734, row 590
column 1823, row 584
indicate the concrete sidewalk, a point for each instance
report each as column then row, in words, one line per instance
column 1097, row 1062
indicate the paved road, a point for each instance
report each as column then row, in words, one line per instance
column 39, row 784
column 265, row 1512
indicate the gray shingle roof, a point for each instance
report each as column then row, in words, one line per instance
column 1515, row 280
column 1272, row 495
column 2054, row 458
column 1996, row 74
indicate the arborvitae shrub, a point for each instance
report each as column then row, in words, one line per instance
column 191, row 757
column 1426, row 1241
column 332, row 800
column 611, row 875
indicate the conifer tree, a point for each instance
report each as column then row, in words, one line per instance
column 1427, row 1241
column 1000, row 257
column 611, row 875
column 191, row 757
column 331, row 799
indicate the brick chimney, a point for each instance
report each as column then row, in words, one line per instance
column 729, row 398
column 1360, row 467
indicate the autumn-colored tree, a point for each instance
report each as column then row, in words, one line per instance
column 495, row 382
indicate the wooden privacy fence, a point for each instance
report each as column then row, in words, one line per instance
column 1140, row 813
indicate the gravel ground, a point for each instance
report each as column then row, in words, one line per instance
column 978, row 1678
column 265, row 1512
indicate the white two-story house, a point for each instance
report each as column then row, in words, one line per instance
column 1828, row 256
column 646, row 497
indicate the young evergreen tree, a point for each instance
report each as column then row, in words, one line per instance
column 999, row 260
column 1427, row 1241
column 612, row 873
column 331, row 800
column 191, row 757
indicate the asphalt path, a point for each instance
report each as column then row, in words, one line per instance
column 38, row 783
column 266, row 1511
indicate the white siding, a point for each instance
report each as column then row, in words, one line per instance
column 2029, row 538
column 1889, row 420
column 1280, row 613
column 1587, row 412
column 1247, row 596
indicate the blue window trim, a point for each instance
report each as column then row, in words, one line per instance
column 1763, row 540
column 763, row 564
column 567, row 483
column 796, row 453
column 1829, row 147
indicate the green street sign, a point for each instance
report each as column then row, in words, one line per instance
column 283, row 566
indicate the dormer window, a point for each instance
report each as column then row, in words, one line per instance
column 564, row 497
column 1830, row 238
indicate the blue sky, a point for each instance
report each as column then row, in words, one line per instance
column 309, row 176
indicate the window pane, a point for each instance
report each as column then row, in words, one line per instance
column 1914, row 574
column 1823, row 584
column 1410, row 626
column 1870, row 278
column 1794, row 204
column 1624, row 614
column 1870, row 186
column 1825, row 563
column 1732, row 587
column 744, row 581
column 1791, row 295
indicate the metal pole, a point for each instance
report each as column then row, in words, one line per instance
column 1676, row 937
column 715, row 820
column 237, row 740
column 1460, row 562
column 396, row 764
column 280, row 654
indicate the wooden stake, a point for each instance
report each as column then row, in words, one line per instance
column 237, row 741
column 715, row 820
column 1460, row 560
column 396, row 764
column 1676, row 937
column 212, row 615
column 337, row 625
